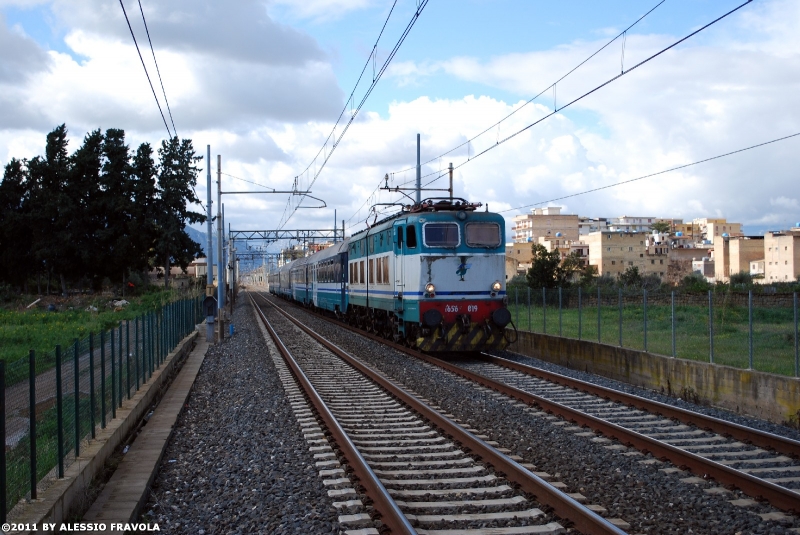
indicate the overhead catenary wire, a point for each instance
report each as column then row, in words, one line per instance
column 158, row 71
column 377, row 74
column 670, row 170
column 169, row 134
column 545, row 90
column 592, row 91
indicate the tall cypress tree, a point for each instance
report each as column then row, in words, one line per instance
column 141, row 224
column 16, row 256
column 176, row 180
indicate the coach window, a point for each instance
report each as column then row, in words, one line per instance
column 372, row 271
column 483, row 234
column 361, row 272
column 440, row 234
column 379, row 275
column 386, row 270
column 411, row 237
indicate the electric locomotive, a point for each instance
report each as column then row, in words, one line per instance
column 432, row 276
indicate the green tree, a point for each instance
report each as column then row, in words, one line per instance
column 630, row 277
column 544, row 267
column 52, row 208
column 587, row 275
column 662, row 227
column 87, row 212
column 15, row 229
column 176, row 180
column 144, row 200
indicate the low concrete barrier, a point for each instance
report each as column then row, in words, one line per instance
column 763, row 395
column 60, row 498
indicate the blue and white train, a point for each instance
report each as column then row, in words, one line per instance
column 432, row 276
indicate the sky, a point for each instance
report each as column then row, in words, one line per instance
column 264, row 82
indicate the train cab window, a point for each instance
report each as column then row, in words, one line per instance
column 400, row 231
column 483, row 234
column 411, row 237
column 440, row 234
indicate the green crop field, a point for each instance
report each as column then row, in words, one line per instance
column 773, row 331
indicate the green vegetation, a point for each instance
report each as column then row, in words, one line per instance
column 40, row 330
column 773, row 327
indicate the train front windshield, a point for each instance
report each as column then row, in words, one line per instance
column 483, row 235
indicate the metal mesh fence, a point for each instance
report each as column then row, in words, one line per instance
column 743, row 330
column 55, row 402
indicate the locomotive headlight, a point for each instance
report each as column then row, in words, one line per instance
column 430, row 288
column 496, row 286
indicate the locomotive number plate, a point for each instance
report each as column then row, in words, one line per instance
column 455, row 309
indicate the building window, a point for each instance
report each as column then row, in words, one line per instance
column 613, row 262
column 652, row 261
column 661, row 261
column 608, row 248
column 630, row 263
column 630, row 248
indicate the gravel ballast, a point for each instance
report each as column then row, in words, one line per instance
column 237, row 461
column 626, row 483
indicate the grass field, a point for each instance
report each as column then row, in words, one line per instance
column 773, row 336
column 40, row 330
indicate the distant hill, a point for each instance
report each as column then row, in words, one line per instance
column 199, row 237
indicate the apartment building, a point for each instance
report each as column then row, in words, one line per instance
column 733, row 254
column 545, row 223
column 631, row 224
column 614, row 252
column 522, row 253
column 587, row 225
column 710, row 228
column 781, row 256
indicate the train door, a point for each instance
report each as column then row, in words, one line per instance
column 399, row 279
column 314, row 282
column 343, row 274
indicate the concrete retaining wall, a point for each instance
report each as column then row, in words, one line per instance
column 762, row 395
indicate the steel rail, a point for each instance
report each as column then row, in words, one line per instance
column 778, row 496
column 739, row 432
column 391, row 515
column 566, row 507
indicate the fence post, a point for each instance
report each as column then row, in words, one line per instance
column 128, row 356
column 91, row 383
column 645, row 320
column 530, row 325
column 796, row 355
column 750, row 328
column 579, row 313
column 136, row 356
column 59, row 414
column 673, row 324
column 77, row 369
column 598, row 314
column 32, row 418
column 710, row 327
column 3, row 481
column 544, row 311
column 619, row 306
column 102, row 379
column 119, row 329
column 113, row 376
column 559, row 311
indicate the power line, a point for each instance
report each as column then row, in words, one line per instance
column 169, row 134
column 623, row 33
column 376, row 76
column 684, row 166
column 607, row 82
column 157, row 70
column 249, row 181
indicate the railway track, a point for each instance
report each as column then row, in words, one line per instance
column 762, row 465
column 421, row 470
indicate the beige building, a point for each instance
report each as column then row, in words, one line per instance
column 733, row 255
column 545, row 223
column 631, row 224
column 757, row 269
column 711, row 228
column 781, row 256
column 614, row 252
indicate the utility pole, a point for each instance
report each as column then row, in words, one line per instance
column 419, row 175
column 220, row 265
column 209, row 229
